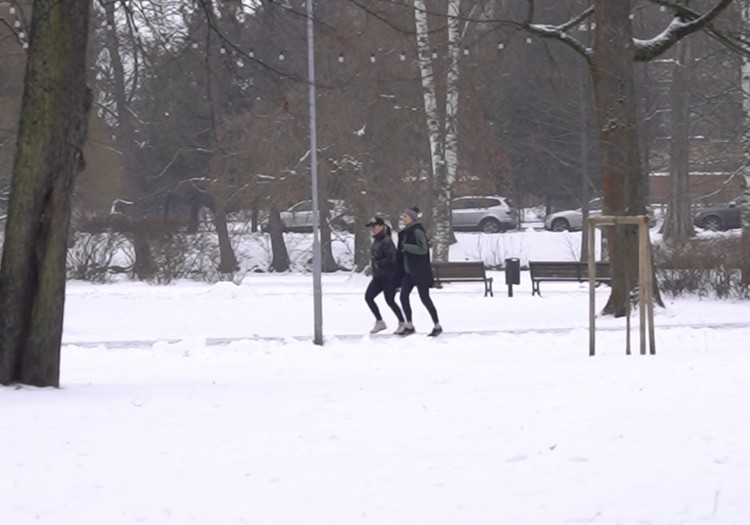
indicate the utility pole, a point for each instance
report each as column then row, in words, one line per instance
column 317, row 287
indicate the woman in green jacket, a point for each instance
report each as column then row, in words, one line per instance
column 414, row 261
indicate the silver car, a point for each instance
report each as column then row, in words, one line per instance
column 572, row 220
column 492, row 214
column 299, row 217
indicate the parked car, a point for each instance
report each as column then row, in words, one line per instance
column 720, row 218
column 299, row 217
column 572, row 220
column 492, row 214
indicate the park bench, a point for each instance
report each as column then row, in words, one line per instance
column 462, row 272
column 565, row 271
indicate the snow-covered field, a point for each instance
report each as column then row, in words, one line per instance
column 208, row 404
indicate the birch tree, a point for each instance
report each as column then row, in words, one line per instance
column 50, row 140
column 443, row 138
column 445, row 188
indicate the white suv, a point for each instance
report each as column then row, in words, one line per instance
column 491, row 214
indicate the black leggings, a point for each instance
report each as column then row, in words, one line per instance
column 407, row 285
column 388, row 287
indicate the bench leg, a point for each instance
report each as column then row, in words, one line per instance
column 488, row 289
column 535, row 288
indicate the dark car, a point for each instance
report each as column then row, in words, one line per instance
column 721, row 218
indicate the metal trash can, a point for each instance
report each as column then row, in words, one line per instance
column 512, row 273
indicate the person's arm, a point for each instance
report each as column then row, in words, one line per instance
column 421, row 248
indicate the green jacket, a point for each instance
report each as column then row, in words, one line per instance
column 420, row 248
column 414, row 254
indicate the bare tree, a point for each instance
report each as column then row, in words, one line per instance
column 218, row 78
column 144, row 265
column 50, row 141
column 611, row 59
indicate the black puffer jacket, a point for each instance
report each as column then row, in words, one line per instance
column 383, row 256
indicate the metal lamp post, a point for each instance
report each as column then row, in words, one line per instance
column 317, row 287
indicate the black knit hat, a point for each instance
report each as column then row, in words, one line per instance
column 376, row 221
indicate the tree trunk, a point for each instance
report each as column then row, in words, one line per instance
column 227, row 259
column 195, row 213
column 280, row 255
column 144, row 266
column 328, row 262
column 678, row 225
column 362, row 244
column 217, row 79
column 745, row 212
column 441, row 188
column 623, row 180
column 51, row 135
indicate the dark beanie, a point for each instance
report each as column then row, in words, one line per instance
column 412, row 212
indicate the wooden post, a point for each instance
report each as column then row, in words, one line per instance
column 649, row 278
column 642, row 292
column 645, row 281
column 591, row 229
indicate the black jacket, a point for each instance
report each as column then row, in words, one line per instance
column 383, row 256
column 415, row 264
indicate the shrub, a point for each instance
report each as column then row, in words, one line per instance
column 180, row 255
column 705, row 267
column 91, row 255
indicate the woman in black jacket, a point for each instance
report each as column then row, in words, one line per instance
column 416, row 270
column 383, row 265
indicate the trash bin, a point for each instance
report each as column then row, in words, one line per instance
column 512, row 273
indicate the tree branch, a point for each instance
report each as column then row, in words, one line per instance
column 736, row 43
column 577, row 20
column 560, row 32
column 681, row 26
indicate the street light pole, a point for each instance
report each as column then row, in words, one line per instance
column 317, row 287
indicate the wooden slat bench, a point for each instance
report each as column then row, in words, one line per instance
column 462, row 272
column 565, row 271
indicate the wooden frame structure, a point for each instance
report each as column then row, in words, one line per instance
column 645, row 280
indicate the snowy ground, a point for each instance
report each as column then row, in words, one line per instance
column 208, row 404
